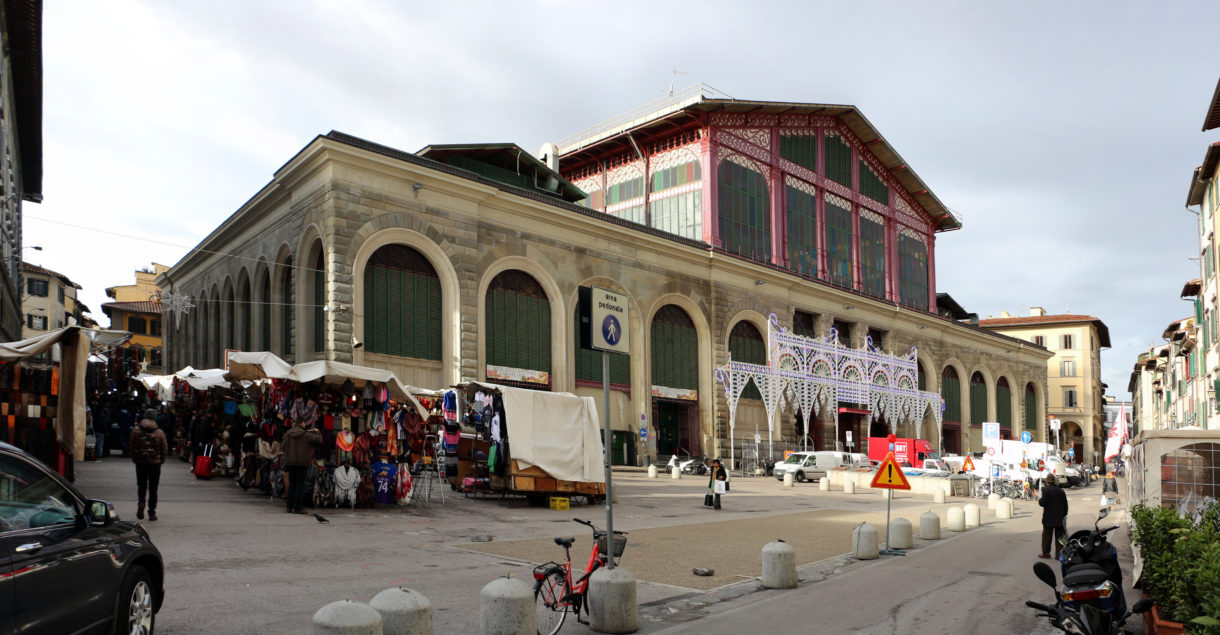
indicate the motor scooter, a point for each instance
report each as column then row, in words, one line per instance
column 1081, row 618
column 689, row 466
column 1092, row 577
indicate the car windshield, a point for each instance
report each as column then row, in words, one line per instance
column 795, row 458
column 933, row 455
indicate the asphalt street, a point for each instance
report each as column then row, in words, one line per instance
column 236, row 562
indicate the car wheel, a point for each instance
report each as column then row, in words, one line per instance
column 800, row 477
column 135, row 614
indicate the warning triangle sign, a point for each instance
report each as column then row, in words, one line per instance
column 889, row 475
column 968, row 466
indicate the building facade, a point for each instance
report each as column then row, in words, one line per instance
column 137, row 310
column 20, row 147
column 1076, row 395
column 48, row 301
column 464, row 262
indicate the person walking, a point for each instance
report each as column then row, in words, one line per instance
column 717, row 473
column 1054, row 516
column 297, row 447
column 148, row 450
column 1109, row 490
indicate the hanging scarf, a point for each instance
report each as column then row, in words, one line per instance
column 345, row 440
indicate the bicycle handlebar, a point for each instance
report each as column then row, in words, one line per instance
column 583, row 522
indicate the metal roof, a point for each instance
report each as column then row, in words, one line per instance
column 671, row 111
column 506, row 157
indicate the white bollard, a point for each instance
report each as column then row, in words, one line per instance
column 938, row 496
column 788, row 482
column 1003, row 509
column 347, row 618
column 824, row 484
column 929, row 525
column 506, row 607
column 849, row 486
column 900, row 534
column 652, row 471
column 956, row 519
column 778, row 565
column 612, row 602
column 992, row 499
column 973, row 516
column 675, row 472
column 403, row 612
column 864, row 542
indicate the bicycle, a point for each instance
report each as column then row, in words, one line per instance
column 555, row 592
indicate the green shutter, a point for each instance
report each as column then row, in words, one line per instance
column 838, row 160
column 1031, row 410
column 319, row 316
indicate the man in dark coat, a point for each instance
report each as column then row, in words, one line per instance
column 1054, row 505
column 297, row 447
column 148, row 451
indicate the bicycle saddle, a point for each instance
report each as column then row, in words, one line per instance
column 565, row 542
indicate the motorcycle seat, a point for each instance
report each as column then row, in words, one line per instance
column 565, row 542
column 1084, row 575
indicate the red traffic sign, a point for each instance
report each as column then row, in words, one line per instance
column 889, row 475
column 968, row 466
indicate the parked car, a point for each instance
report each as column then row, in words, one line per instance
column 69, row 563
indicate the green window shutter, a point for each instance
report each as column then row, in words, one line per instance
column 951, row 392
column 319, row 316
column 1198, row 310
column 1031, row 410
column 266, row 313
column 839, row 244
column 838, row 159
column 744, row 212
column 371, row 343
column 872, row 255
column 1003, row 406
column 801, row 150
column 978, row 402
column 872, row 186
column 802, row 232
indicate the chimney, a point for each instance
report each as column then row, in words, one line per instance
column 1005, row 314
column 1036, row 311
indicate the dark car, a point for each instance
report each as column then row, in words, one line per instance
column 67, row 563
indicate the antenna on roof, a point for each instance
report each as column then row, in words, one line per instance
column 673, row 76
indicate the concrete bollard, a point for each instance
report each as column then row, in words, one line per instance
column 849, row 486
column 403, row 612
column 506, row 607
column 652, row 471
column 347, row 618
column 929, row 525
column 900, row 534
column 956, row 519
column 675, row 472
column 824, row 484
column 864, row 542
column 992, row 499
column 973, row 516
column 788, row 480
column 612, row 602
column 778, row 565
column 1003, row 509
column 938, row 496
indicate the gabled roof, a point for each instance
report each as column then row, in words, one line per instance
column 1212, row 118
column 1203, row 174
column 1103, row 331
column 684, row 107
column 32, row 268
column 147, row 307
column 507, row 163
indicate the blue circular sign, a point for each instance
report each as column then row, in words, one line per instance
column 612, row 332
column 1071, row 451
column 644, row 433
column 1026, row 437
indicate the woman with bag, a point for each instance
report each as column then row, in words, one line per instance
column 718, row 479
column 1109, row 491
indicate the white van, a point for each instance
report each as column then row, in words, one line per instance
column 810, row 466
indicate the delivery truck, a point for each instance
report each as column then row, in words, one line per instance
column 911, row 452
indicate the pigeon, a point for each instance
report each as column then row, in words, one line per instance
column 320, row 518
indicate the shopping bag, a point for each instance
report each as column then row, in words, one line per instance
column 720, row 487
column 203, row 463
column 707, row 500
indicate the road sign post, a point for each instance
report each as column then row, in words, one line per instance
column 890, row 476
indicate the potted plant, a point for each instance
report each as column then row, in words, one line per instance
column 1181, row 568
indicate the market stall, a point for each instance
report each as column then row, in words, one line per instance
column 1175, row 468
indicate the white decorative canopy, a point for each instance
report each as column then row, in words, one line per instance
column 815, row 374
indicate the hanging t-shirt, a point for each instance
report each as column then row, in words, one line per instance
column 385, row 482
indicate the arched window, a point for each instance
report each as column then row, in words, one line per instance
column 287, row 307
column 318, row 276
column 215, row 347
column 951, row 392
column 923, row 380
column 1031, row 408
column 589, row 362
column 1003, row 403
column 978, row 399
column 136, row 324
column 518, row 326
column 402, row 304
column 265, row 312
column 745, row 212
column 675, row 349
column 244, row 336
column 229, row 309
column 746, row 345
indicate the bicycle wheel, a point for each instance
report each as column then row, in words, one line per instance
column 549, row 603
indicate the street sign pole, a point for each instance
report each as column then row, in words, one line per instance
column 609, row 494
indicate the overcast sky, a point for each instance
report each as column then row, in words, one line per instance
column 1063, row 134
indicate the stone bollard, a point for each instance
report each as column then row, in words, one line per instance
column 929, row 525
column 900, row 534
column 1003, row 509
column 864, row 542
column 788, row 481
column 652, row 471
column 612, row 604
column 778, row 565
column 973, row 516
column 849, row 486
column 992, row 499
column 675, row 472
column 938, row 496
column 824, row 484
column 403, row 612
column 347, row 618
column 506, row 607
column 956, row 519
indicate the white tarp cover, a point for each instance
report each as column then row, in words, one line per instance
column 1147, row 470
column 257, row 365
column 198, row 379
column 74, row 344
column 557, row 431
column 336, row 373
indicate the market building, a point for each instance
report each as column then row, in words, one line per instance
column 137, row 310
column 709, row 215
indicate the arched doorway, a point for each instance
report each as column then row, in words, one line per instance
column 951, row 392
column 1003, row 407
column 675, row 381
column 518, row 327
column 402, row 304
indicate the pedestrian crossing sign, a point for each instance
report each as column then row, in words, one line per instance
column 968, row 466
column 889, row 475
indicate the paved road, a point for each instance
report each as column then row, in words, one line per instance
column 237, row 563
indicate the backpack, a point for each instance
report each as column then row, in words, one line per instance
column 146, row 449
